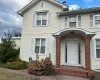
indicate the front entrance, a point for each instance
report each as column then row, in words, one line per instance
column 72, row 52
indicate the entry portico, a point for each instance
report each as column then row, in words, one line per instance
column 76, row 48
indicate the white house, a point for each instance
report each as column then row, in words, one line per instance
column 71, row 37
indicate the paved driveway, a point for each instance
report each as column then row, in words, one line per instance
column 58, row 77
column 62, row 77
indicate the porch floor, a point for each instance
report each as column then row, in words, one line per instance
column 76, row 68
column 72, row 70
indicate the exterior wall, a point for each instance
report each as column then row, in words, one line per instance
column 85, row 23
column 82, row 48
column 29, row 28
column 26, row 52
column 30, row 32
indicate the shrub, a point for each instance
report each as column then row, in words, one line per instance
column 15, row 65
column 44, row 66
column 49, row 69
column 37, row 67
column 8, row 51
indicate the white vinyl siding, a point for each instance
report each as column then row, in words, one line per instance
column 32, row 46
column 48, row 18
column 34, row 19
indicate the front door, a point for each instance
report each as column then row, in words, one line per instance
column 72, row 52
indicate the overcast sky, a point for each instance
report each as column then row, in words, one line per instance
column 10, row 19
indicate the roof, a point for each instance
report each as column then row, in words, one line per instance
column 34, row 2
column 80, row 11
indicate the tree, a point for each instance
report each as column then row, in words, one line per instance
column 8, row 52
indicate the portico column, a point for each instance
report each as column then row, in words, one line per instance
column 57, row 51
column 87, row 53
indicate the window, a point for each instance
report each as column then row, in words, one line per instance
column 72, row 21
column 79, row 21
column 41, row 19
column 65, row 21
column 97, row 48
column 40, row 45
column 91, row 20
column 97, row 20
column 94, row 20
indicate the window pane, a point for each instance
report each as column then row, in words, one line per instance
column 97, row 48
column 72, row 19
column 44, row 22
column 42, row 42
column 72, row 24
column 97, row 22
column 37, row 49
column 91, row 23
column 37, row 42
column 38, row 17
column 91, row 17
column 79, row 18
column 98, row 53
column 97, row 17
column 41, row 18
column 44, row 17
column 42, row 49
column 79, row 24
column 38, row 22
column 65, row 19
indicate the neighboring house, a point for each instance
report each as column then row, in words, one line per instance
column 17, row 41
column 71, row 37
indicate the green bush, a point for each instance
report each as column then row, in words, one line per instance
column 8, row 51
column 15, row 65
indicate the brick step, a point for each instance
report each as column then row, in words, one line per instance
column 71, row 72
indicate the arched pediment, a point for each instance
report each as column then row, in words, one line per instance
column 79, row 31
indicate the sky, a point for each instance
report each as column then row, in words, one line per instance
column 9, row 19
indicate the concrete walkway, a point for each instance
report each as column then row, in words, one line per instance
column 58, row 77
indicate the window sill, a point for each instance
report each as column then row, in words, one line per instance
column 41, row 54
column 97, row 59
column 41, row 26
column 94, row 28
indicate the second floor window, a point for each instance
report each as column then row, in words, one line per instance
column 72, row 21
column 94, row 20
column 97, row 20
column 41, row 19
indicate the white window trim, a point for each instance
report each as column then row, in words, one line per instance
column 95, row 49
column 94, row 21
column 40, row 43
column 76, row 22
column 41, row 20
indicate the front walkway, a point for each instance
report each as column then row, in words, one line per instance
column 58, row 77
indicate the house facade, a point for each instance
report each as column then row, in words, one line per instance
column 71, row 37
